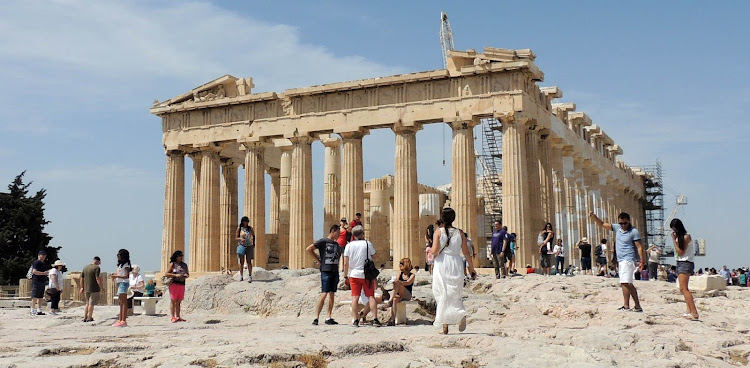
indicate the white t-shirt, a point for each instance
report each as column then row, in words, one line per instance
column 653, row 256
column 135, row 280
column 356, row 252
column 121, row 271
column 604, row 250
column 559, row 250
column 685, row 257
column 51, row 284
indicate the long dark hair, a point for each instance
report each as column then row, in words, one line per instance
column 679, row 228
column 173, row 258
column 430, row 232
column 244, row 219
column 448, row 215
column 123, row 257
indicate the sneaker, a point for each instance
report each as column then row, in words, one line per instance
column 623, row 309
column 376, row 323
column 249, row 279
column 637, row 310
column 391, row 323
column 40, row 313
column 355, row 323
column 32, row 312
column 315, row 322
column 52, row 313
column 123, row 324
column 331, row 321
column 117, row 324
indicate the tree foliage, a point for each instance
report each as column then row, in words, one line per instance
column 22, row 233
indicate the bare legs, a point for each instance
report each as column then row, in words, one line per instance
column 241, row 263
column 123, row 307
column 322, row 300
column 683, row 279
column 628, row 291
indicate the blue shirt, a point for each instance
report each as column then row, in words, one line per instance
column 497, row 240
column 625, row 243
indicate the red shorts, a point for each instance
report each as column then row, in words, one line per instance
column 361, row 284
column 176, row 291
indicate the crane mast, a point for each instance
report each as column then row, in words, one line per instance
column 446, row 37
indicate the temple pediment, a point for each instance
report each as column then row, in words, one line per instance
column 227, row 86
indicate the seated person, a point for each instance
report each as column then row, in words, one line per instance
column 529, row 269
column 570, row 271
column 613, row 270
column 402, row 287
column 151, row 288
column 672, row 275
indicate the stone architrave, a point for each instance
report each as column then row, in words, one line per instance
column 255, row 197
column 229, row 206
column 464, row 181
column 300, row 205
column 173, row 236
column 332, row 183
column 516, row 188
column 197, row 158
column 208, row 214
column 273, row 208
column 285, row 182
column 352, row 177
column 405, row 220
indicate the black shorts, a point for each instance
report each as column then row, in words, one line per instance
column 329, row 281
column 585, row 263
column 602, row 261
column 545, row 260
column 37, row 289
column 685, row 267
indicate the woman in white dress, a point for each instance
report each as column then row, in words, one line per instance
column 448, row 272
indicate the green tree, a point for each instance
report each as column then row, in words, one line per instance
column 22, row 233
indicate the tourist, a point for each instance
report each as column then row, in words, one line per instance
column 122, row 278
column 529, row 269
column 178, row 272
column 513, row 247
column 654, row 253
column 344, row 234
column 743, row 278
column 91, row 285
column 559, row 253
column 39, row 279
column 245, row 236
column 685, row 251
column 472, row 252
column 355, row 255
column 726, row 275
column 700, row 272
column 447, row 284
column 545, row 248
column 629, row 251
column 429, row 233
column 150, row 288
column 672, row 275
column 328, row 259
column 357, row 221
column 402, row 287
column 137, row 285
column 585, row 248
column 602, row 256
column 54, row 288
column 499, row 249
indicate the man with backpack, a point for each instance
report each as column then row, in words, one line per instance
column 357, row 252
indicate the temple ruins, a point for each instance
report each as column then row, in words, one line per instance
column 557, row 165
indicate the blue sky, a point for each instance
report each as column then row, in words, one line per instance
column 665, row 80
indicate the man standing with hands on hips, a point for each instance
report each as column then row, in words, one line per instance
column 629, row 254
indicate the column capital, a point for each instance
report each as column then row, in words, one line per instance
column 174, row 152
column 255, row 146
column 273, row 172
column 357, row 134
column 516, row 117
column 331, row 141
column 400, row 128
column 229, row 162
column 464, row 124
column 302, row 139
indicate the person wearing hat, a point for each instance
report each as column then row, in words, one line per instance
column 585, row 247
column 54, row 288
column 137, row 287
column 39, row 279
column 654, row 253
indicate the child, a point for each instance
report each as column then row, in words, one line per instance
column 150, row 288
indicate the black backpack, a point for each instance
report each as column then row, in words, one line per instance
column 598, row 250
column 348, row 236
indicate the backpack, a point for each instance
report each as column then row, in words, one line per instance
column 348, row 236
column 598, row 250
column 371, row 271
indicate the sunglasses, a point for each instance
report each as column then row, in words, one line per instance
column 623, row 223
column 402, row 263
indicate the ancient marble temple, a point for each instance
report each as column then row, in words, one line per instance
column 557, row 164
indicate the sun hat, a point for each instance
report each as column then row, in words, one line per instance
column 585, row 239
column 58, row 263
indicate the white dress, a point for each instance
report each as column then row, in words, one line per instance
column 448, row 280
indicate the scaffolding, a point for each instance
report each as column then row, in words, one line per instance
column 490, row 179
column 653, row 206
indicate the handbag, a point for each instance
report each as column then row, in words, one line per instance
column 166, row 280
column 371, row 271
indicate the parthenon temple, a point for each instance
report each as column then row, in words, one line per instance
column 556, row 164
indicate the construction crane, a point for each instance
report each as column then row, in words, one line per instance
column 700, row 244
column 446, row 38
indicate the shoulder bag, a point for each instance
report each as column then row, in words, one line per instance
column 371, row 271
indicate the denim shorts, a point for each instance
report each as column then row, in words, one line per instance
column 122, row 287
column 329, row 281
column 685, row 267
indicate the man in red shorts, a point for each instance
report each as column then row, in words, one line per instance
column 355, row 254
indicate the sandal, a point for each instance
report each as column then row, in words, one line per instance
column 445, row 330
column 462, row 325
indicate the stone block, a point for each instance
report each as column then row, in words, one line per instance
column 706, row 283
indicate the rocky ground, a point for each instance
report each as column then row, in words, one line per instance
column 522, row 321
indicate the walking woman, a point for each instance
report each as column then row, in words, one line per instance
column 683, row 246
column 448, row 272
column 429, row 234
column 245, row 237
column 122, row 278
column 178, row 272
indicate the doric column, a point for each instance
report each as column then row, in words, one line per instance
column 406, row 233
column 535, row 194
column 228, row 218
column 555, row 155
column 380, row 211
column 332, row 182
column 545, row 178
column 255, row 197
column 516, row 190
column 300, row 203
column 580, row 198
column 352, row 180
column 173, row 236
column 273, row 208
column 464, row 180
column 208, row 214
column 285, row 182
column 571, row 203
column 197, row 158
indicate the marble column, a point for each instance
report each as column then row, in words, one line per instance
column 545, row 179
column 208, row 214
column 229, row 207
column 352, row 179
column 515, row 190
column 558, row 193
column 255, row 197
column 285, row 183
column 380, row 211
column 332, row 183
column 273, row 213
column 197, row 158
column 300, row 203
column 580, row 189
column 464, row 181
column 535, row 194
column 173, row 236
column 406, row 233
column 569, row 186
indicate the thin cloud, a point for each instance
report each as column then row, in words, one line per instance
column 111, row 175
